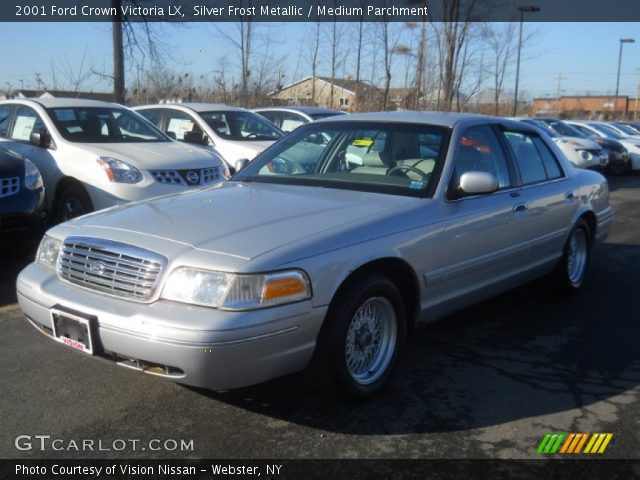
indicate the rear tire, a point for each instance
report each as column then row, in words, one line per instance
column 360, row 342
column 72, row 201
column 572, row 270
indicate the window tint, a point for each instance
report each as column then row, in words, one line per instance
column 271, row 116
column 179, row 123
column 529, row 155
column 480, row 151
column 27, row 121
column 548, row 159
column 5, row 111
column 154, row 116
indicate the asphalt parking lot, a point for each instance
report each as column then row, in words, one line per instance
column 487, row 382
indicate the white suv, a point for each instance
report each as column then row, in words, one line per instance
column 94, row 155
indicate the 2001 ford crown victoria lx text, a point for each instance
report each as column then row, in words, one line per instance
column 343, row 234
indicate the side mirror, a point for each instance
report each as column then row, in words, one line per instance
column 240, row 164
column 477, row 183
column 171, row 135
column 40, row 139
column 195, row 137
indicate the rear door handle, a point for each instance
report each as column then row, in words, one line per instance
column 521, row 207
column 569, row 195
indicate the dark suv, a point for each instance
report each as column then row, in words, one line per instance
column 21, row 197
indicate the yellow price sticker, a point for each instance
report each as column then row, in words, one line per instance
column 362, row 142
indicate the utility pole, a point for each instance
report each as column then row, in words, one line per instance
column 522, row 10
column 559, row 79
column 622, row 42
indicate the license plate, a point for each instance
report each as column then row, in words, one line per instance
column 72, row 330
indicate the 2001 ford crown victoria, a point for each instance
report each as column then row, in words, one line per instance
column 344, row 233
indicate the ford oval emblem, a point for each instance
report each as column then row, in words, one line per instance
column 97, row 267
column 193, row 177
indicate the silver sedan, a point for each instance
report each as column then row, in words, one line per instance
column 343, row 235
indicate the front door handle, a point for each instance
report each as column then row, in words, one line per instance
column 569, row 195
column 521, row 207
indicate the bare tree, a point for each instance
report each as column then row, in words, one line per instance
column 389, row 39
column 501, row 43
column 65, row 76
column 452, row 35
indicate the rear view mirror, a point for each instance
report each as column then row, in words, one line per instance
column 40, row 139
column 195, row 137
column 477, row 183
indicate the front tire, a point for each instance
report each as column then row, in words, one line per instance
column 574, row 265
column 361, row 340
column 72, row 201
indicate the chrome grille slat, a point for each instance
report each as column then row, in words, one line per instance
column 117, row 269
column 107, row 258
column 206, row 176
column 9, row 186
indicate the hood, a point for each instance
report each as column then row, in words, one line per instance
column 233, row 151
column 577, row 142
column 156, row 155
column 242, row 221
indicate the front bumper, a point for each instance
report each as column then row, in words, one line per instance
column 193, row 345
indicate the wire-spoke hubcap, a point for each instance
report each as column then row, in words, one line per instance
column 371, row 340
column 577, row 256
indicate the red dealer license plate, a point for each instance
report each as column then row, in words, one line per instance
column 72, row 330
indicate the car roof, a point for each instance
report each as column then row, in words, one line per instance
column 198, row 107
column 62, row 102
column 303, row 109
column 443, row 119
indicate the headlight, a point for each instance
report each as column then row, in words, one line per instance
column 119, row 171
column 228, row 291
column 584, row 154
column 32, row 177
column 48, row 252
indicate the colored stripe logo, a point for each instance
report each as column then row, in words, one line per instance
column 573, row 443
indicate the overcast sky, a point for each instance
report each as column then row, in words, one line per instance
column 584, row 55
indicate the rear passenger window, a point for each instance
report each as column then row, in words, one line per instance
column 548, row 158
column 535, row 161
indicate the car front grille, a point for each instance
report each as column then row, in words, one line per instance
column 113, row 268
column 190, row 177
column 9, row 186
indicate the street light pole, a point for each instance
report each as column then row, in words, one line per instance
column 522, row 10
column 615, row 105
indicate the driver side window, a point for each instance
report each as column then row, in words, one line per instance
column 480, row 151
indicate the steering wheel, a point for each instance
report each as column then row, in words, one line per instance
column 408, row 168
column 284, row 166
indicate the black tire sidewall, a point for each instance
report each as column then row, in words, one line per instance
column 339, row 318
column 71, row 192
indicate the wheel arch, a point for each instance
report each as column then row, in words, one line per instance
column 399, row 272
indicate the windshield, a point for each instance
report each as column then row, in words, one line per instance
column 542, row 127
column 626, row 129
column 103, row 125
column 563, row 129
column 378, row 157
column 608, row 131
column 239, row 125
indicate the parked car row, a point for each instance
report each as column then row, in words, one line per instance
column 610, row 146
column 321, row 253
